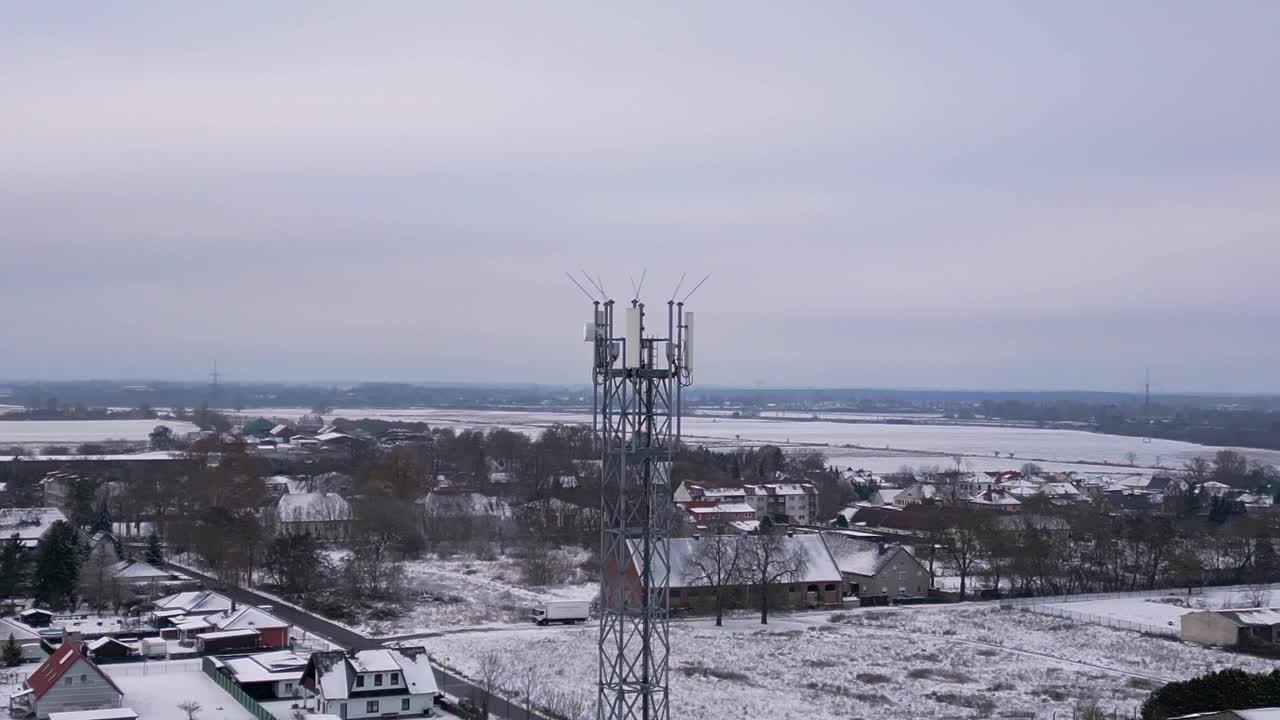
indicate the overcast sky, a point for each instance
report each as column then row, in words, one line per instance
column 976, row 195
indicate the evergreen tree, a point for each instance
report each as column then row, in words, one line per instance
column 102, row 521
column 80, row 503
column 13, row 567
column 57, row 567
column 155, row 552
column 12, row 653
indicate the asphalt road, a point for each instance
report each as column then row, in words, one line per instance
column 449, row 683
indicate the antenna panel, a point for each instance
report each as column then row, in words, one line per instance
column 632, row 337
column 688, row 342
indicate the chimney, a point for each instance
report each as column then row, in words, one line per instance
column 73, row 638
column 233, row 605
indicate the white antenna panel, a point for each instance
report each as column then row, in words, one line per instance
column 632, row 359
column 688, row 341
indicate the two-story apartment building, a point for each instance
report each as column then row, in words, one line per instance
column 371, row 683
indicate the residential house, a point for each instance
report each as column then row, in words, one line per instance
column 272, row 631
column 1232, row 628
column 324, row 515
column 458, row 513
column 146, row 579
column 29, row 524
column 171, row 611
column 878, row 570
column 66, row 681
column 371, row 683
column 916, row 494
column 265, row 676
column 995, row 499
column 886, row 496
column 818, row 584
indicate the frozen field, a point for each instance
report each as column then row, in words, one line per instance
column 879, row 447
column 934, row 662
column 81, row 431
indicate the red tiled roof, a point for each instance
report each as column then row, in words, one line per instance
column 56, row 665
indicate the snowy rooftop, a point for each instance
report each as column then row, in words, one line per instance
column 313, row 507
column 859, row 557
column 29, row 523
column 335, row 671
column 819, row 565
column 723, row 508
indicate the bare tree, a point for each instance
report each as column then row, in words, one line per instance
column 768, row 559
column 530, row 678
column 492, row 671
column 963, row 532
column 716, row 562
column 190, row 707
column 1256, row 595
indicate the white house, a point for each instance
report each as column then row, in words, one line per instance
column 371, row 683
column 66, row 681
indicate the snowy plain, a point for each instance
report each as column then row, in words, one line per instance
column 80, row 431
column 880, row 447
column 968, row 660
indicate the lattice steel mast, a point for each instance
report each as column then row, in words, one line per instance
column 637, row 385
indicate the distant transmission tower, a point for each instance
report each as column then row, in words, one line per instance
column 637, row 380
column 213, row 381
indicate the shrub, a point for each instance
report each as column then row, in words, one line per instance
column 1235, row 689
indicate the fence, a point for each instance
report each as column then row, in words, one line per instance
column 253, row 706
column 146, row 669
column 1158, row 592
column 1171, row 631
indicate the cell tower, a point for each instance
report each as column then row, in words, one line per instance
column 637, row 379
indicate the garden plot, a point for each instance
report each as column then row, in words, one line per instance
column 957, row 661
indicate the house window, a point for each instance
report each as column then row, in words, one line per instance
column 84, row 679
column 377, row 680
column 288, row 687
column 359, row 681
column 676, row 592
column 829, row 587
column 371, row 706
column 395, row 679
column 404, row 705
column 68, row 680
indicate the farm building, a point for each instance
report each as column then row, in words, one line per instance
column 26, row 638
column 324, row 515
column 818, row 584
column 1229, row 628
column 227, row 641
column 371, row 683
column 66, row 681
column 878, row 570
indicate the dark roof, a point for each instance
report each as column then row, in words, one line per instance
column 56, row 665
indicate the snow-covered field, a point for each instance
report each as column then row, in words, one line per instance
column 464, row 592
column 923, row 662
column 80, row 431
column 155, row 695
column 1161, row 608
column 880, row 447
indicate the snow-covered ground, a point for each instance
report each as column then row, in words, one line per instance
column 154, row 690
column 879, row 446
column 465, row 592
column 81, row 431
column 971, row 660
column 1162, row 608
